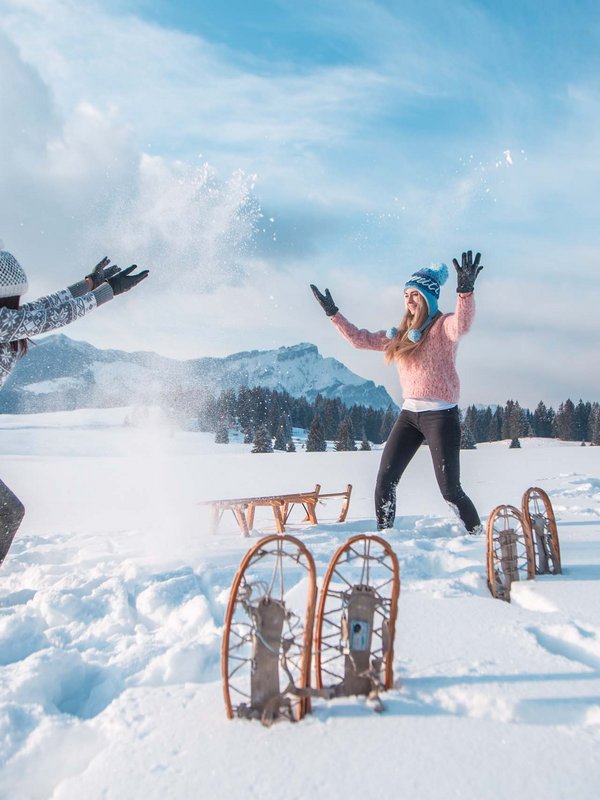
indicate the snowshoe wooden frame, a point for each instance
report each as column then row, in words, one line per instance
column 540, row 524
column 510, row 555
column 356, row 619
column 266, row 649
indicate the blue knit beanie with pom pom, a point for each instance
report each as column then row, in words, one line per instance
column 427, row 282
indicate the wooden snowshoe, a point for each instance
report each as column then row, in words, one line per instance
column 356, row 620
column 540, row 524
column 509, row 551
column 267, row 638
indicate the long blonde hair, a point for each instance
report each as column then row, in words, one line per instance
column 401, row 346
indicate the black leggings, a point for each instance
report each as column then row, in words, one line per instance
column 441, row 431
column 11, row 516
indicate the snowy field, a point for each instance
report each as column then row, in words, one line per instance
column 113, row 596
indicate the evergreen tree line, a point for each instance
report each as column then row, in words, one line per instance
column 569, row 422
column 266, row 417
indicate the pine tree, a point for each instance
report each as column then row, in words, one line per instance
column 350, row 437
column 542, row 420
column 507, row 419
column 519, row 423
column 565, row 421
column 387, row 424
column 332, row 416
column 291, row 447
column 364, row 445
column 315, row 442
column 345, row 437
column 467, row 440
column 222, row 434
column 280, row 442
column 342, row 436
column 495, row 432
column 514, row 443
column 273, row 414
column 470, row 420
column 373, row 423
column 581, row 417
column 595, row 425
column 357, row 418
column 484, row 421
column 262, row 441
column 283, row 434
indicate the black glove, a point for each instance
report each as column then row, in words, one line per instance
column 102, row 272
column 325, row 301
column 123, row 281
column 468, row 272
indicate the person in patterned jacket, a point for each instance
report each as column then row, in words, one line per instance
column 19, row 322
column 423, row 348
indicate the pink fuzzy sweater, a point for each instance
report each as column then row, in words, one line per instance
column 431, row 373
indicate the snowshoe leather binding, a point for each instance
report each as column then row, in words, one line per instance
column 354, row 640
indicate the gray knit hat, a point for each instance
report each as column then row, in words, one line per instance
column 13, row 281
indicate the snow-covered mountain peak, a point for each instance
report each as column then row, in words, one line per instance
column 61, row 373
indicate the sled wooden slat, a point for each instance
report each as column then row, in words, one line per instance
column 243, row 508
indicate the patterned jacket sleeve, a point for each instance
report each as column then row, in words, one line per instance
column 51, row 300
column 457, row 324
column 46, row 315
column 359, row 337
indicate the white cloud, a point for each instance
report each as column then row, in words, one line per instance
column 78, row 187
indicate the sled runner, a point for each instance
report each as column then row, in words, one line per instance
column 266, row 651
column 509, row 551
column 356, row 620
column 540, row 524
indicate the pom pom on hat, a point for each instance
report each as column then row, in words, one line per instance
column 438, row 272
column 13, row 280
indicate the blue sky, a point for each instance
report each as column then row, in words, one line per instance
column 245, row 149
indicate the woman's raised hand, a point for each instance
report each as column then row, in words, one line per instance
column 467, row 272
column 325, row 301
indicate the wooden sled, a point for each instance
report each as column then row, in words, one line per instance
column 267, row 638
column 509, row 551
column 243, row 508
column 356, row 620
column 540, row 525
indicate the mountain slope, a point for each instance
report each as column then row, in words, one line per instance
column 60, row 373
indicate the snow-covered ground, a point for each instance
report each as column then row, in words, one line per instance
column 113, row 596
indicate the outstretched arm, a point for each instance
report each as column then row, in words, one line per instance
column 25, row 322
column 360, row 338
column 459, row 323
column 101, row 273
column 62, row 308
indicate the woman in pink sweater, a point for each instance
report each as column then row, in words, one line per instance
column 424, row 350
